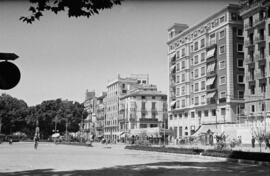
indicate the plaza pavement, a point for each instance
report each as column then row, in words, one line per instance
column 112, row 160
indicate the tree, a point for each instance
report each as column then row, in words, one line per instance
column 74, row 8
column 12, row 113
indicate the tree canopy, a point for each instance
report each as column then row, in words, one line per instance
column 15, row 116
column 74, row 8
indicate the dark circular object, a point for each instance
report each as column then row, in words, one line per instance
column 9, row 75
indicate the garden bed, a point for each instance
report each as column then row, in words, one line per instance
column 230, row 154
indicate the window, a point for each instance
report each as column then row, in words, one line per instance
column 183, row 51
column 192, row 114
column 212, row 39
column 153, row 97
column 240, row 79
column 202, row 43
column 240, row 47
column 252, row 90
column 240, row 63
column 202, row 56
column 223, row 111
column 202, row 71
column 222, row 49
column 196, row 73
column 206, row 113
column 177, row 66
column 222, row 95
column 221, row 34
column 183, row 104
column 203, row 85
column 240, row 32
column 177, row 91
column 196, row 59
column 221, row 64
column 177, row 105
column 240, row 94
column 177, row 54
column 196, row 87
column 183, row 64
column 203, row 99
column 196, row 46
column 213, row 112
column 183, row 77
column 183, row 90
column 177, row 79
column 196, row 100
column 222, row 19
column 222, row 80
column 252, row 108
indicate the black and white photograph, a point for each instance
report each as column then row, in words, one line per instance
column 134, row 87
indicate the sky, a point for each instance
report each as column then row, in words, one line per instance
column 61, row 57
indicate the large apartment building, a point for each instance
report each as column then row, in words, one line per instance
column 116, row 89
column 206, row 72
column 256, row 16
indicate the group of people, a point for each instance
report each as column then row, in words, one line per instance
column 265, row 139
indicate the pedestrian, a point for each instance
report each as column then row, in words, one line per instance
column 253, row 141
column 239, row 140
column 267, row 145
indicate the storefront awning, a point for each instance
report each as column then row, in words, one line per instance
column 210, row 81
column 172, row 68
column 173, row 103
column 210, row 53
column 211, row 95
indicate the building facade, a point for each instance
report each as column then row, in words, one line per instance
column 116, row 89
column 143, row 110
column 256, row 16
column 93, row 125
column 206, row 72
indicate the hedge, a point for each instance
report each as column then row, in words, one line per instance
column 214, row 153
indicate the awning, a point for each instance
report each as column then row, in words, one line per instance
column 210, row 53
column 173, row 103
column 204, row 129
column 211, row 67
column 211, row 95
column 172, row 68
column 210, row 81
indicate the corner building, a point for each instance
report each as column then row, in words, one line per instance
column 256, row 16
column 115, row 89
column 206, row 72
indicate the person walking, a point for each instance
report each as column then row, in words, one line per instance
column 253, row 142
column 36, row 136
column 267, row 145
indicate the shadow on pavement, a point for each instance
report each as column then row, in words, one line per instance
column 158, row 169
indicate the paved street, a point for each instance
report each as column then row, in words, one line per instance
column 65, row 160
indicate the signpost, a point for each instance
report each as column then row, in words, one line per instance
column 9, row 73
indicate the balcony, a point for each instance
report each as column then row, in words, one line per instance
column 248, row 26
column 250, row 62
column 261, row 76
column 248, row 44
column 259, row 22
column 260, row 40
column 222, row 100
column 261, row 60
